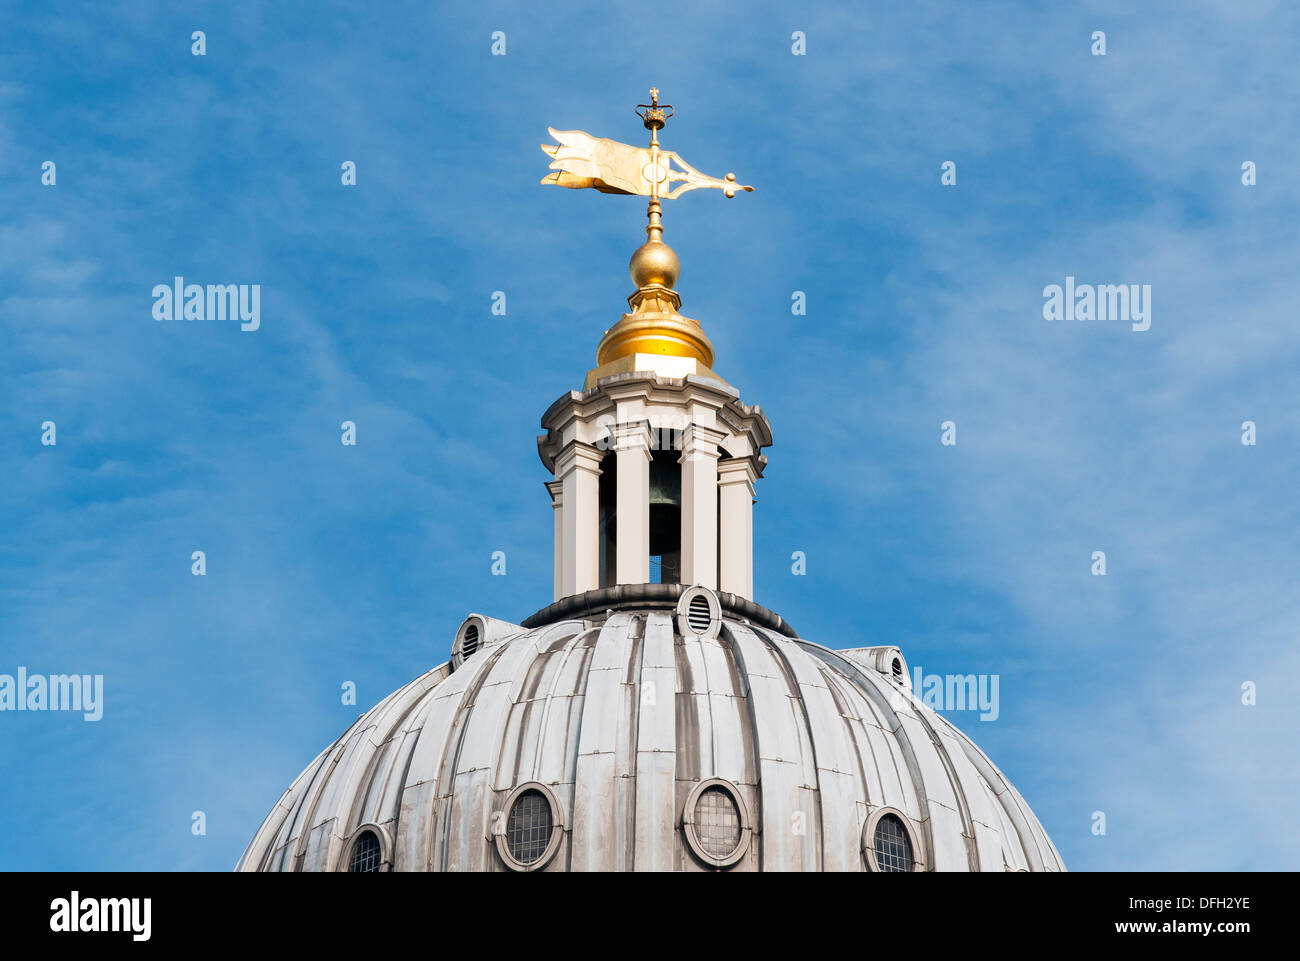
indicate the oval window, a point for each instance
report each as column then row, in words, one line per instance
column 893, row 845
column 717, row 823
column 529, row 827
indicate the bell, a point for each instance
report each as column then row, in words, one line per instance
column 665, row 480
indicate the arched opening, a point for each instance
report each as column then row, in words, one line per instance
column 665, row 508
column 606, row 564
column 666, row 511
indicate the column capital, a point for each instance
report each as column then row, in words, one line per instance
column 556, row 489
column 737, row 470
column 631, row 435
column 698, row 442
column 577, row 455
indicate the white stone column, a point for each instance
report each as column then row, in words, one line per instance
column 632, row 543
column 577, row 467
column 700, row 506
column 556, row 489
column 736, row 478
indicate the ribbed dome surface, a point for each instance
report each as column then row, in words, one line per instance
column 624, row 722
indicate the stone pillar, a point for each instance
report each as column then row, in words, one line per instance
column 736, row 478
column 700, row 506
column 556, row 489
column 632, row 543
column 577, row 467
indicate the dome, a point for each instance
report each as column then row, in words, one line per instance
column 652, row 727
column 653, row 717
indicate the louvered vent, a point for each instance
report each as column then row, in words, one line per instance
column 897, row 668
column 697, row 615
column 470, row 644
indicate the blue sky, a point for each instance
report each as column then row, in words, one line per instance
column 328, row 563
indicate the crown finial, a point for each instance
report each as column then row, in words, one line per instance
column 654, row 115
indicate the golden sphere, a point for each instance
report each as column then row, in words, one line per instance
column 654, row 263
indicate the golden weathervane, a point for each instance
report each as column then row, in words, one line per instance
column 654, row 328
column 582, row 160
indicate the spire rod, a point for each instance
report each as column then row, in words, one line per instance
column 654, row 230
column 654, row 116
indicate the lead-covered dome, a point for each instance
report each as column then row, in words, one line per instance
column 652, row 728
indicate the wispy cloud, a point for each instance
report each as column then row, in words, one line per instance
column 329, row 563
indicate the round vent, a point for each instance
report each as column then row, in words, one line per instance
column 697, row 615
column 470, row 644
